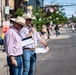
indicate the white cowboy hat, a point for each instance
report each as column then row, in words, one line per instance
column 28, row 16
column 19, row 20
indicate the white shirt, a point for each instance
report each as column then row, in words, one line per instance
column 25, row 31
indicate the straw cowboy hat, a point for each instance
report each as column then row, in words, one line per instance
column 19, row 20
column 28, row 16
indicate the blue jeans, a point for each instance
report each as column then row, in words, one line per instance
column 57, row 32
column 29, row 60
column 15, row 70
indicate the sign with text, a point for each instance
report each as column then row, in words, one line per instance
column 6, row 9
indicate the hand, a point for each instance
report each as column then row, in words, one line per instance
column 47, row 48
column 14, row 62
column 32, row 29
column 31, row 32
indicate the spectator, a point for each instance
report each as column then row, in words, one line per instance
column 13, row 46
column 48, row 31
column 29, row 55
column 44, row 32
column 57, row 30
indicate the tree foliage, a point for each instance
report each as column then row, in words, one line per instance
column 19, row 12
column 40, row 18
column 43, row 17
column 58, row 16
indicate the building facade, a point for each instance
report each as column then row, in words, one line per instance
column 36, row 3
column 2, row 5
column 42, row 3
column 14, row 4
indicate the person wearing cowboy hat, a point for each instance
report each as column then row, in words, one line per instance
column 29, row 55
column 13, row 46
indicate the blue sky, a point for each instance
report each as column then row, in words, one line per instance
column 68, row 10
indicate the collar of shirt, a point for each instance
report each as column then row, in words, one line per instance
column 15, row 29
column 27, row 27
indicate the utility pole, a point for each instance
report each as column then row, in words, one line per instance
column 1, row 13
column 6, row 9
column 6, row 23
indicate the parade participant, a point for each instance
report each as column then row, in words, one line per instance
column 13, row 46
column 29, row 55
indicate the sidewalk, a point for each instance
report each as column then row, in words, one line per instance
column 3, row 63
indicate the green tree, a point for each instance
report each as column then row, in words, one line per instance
column 40, row 18
column 43, row 17
column 19, row 12
column 58, row 16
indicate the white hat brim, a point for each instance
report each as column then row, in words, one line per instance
column 14, row 20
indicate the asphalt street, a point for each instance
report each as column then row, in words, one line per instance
column 59, row 60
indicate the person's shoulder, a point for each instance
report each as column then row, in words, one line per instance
column 9, row 32
column 24, row 28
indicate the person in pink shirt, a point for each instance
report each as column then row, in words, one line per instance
column 13, row 46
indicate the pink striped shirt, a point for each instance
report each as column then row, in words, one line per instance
column 12, row 42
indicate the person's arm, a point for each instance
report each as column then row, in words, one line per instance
column 8, row 44
column 30, row 32
column 41, row 41
column 24, row 32
column 44, row 43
